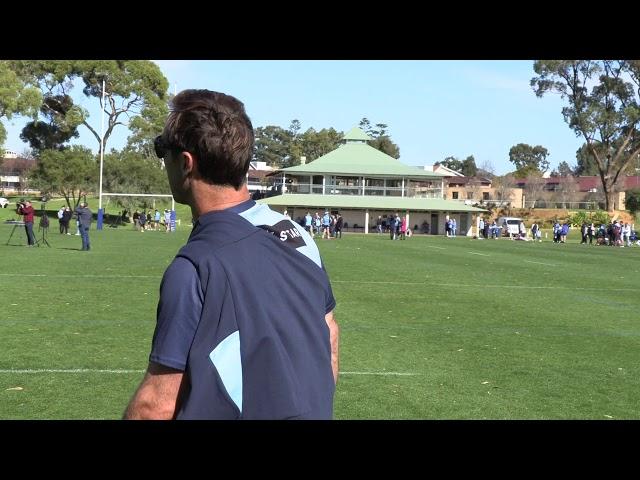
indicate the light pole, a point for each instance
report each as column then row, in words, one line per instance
column 100, row 210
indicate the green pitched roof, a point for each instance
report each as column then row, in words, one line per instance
column 356, row 134
column 360, row 159
column 368, row 202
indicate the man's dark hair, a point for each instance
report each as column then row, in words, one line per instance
column 216, row 129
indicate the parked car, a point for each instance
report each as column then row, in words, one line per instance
column 510, row 225
column 4, row 202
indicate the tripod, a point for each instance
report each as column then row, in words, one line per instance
column 44, row 227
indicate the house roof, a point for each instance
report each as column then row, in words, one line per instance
column 466, row 180
column 368, row 202
column 360, row 159
column 356, row 134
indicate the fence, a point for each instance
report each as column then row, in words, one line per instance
column 565, row 205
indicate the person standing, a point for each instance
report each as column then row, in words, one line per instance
column 26, row 210
column 84, row 216
column 234, row 338
column 60, row 214
column 338, row 226
column 308, row 223
column 66, row 218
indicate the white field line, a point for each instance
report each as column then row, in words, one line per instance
column 76, row 276
column 89, row 370
column 540, row 263
column 598, row 289
column 439, row 248
column 72, row 370
column 483, row 254
column 399, row 374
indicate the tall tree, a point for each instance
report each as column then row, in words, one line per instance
column 15, row 97
column 133, row 88
column 528, row 160
column 71, row 173
column 469, row 168
column 56, row 130
column 315, row 144
column 381, row 141
column 602, row 107
column 132, row 172
column 272, row 146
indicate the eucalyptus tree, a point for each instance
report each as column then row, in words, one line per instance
column 602, row 106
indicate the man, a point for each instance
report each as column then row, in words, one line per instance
column 25, row 209
column 84, row 216
column 245, row 326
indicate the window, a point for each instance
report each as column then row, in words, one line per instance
column 454, row 195
column 485, row 195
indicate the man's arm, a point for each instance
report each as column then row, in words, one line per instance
column 334, row 334
column 157, row 396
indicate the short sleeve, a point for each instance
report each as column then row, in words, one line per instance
column 179, row 311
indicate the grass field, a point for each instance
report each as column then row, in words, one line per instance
column 431, row 328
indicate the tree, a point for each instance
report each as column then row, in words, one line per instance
column 504, row 187
column 71, row 173
column 15, row 97
column 486, row 169
column 316, row 144
column 534, row 188
column 586, row 162
column 564, row 170
column 606, row 116
column 381, row 141
column 53, row 133
column 131, row 172
column 632, row 201
column 528, row 160
column 133, row 89
column 272, row 146
column 451, row 162
column 567, row 189
column 469, row 168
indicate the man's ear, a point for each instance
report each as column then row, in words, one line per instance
column 188, row 163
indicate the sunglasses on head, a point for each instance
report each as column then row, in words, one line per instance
column 162, row 147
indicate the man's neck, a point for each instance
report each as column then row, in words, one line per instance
column 208, row 198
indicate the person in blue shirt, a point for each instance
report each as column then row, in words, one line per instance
column 245, row 326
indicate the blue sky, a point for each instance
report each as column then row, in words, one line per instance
column 433, row 109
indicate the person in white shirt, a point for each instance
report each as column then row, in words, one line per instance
column 60, row 213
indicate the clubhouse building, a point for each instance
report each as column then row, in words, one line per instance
column 363, row 183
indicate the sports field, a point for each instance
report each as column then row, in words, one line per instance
column 431, row 328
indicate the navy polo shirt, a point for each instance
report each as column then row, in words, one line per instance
column 242, row 312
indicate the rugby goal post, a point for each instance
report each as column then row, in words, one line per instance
column 173, row 206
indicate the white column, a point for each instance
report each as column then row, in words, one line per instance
column 366, row 221
column 284, row 182
column 403, row 186
column 324, row 179
column 362, row 184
